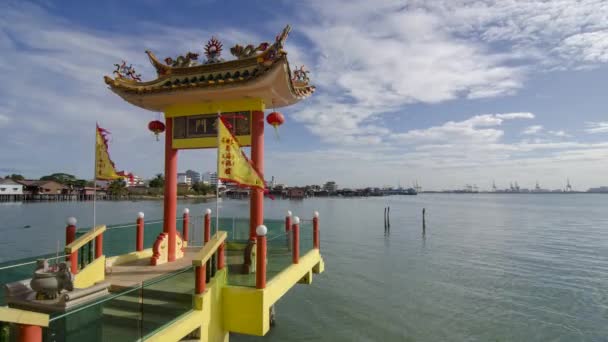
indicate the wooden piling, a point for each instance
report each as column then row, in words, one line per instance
column 423, row 219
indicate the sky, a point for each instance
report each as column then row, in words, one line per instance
column 444, row 92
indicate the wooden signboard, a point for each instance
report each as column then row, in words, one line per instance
column 200, row 130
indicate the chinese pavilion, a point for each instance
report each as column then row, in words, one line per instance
column 191, row 94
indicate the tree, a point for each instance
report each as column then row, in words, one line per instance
column 15, row 177
column 63, row 178
column 117, row 188
column 201, row 188
column 158, row 181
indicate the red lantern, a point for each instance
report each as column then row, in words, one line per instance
column 275, row 119
column 156, row 127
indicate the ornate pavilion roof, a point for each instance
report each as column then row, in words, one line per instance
column 257, row 72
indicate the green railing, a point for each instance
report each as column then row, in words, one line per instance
column 279, row 245
column 131, row 315
column 306, row 237
column 120, row 239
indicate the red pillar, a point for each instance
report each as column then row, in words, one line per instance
column 185, row 222
column 315, row 231
column 70, row 235
column 30, row 333
column 220, row 256
column 295, row 250
column 98, row 245
column 260, row 257
column 199, row 287
column 139, row 243
column 207, row 233
column 170, row 208
column 288, row 221
column 256, row 207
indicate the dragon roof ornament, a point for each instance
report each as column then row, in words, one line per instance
column 265, row 54
column 261, row 71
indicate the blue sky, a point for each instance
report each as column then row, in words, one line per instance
column 444, row 92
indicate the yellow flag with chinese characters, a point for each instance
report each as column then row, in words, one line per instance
column 104, row 167
column 233, row 165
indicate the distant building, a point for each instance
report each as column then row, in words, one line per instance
column 130, row 179
column 330, row 187
column 194, row 176
column 42, row 187
column 601, row 189
column 10, row 187
column 210, row 178
column 296, row 193
column 183, row 178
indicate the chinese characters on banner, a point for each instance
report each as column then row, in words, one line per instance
column 232, row 163
column 104, row 167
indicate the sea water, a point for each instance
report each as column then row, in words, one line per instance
column 489, row 267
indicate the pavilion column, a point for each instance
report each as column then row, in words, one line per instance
column 256, row 207
column 170, row 200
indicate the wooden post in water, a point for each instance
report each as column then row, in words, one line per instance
column 385, row 227
column 423, row 219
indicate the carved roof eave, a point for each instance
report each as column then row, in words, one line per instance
column 163, row 69
column 273, row 84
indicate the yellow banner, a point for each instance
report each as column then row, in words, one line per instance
column 104, row 167
column 233, row 165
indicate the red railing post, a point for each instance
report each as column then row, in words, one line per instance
column 260, row 257
column 70, row 236
column 139, row 241
column 30, row 333
column 288, row 221
column 98, row 245
column 295, row 230
column 185, row 224
column 315, row 230
column 207, row 225
column 200, row 279
column 220, row 256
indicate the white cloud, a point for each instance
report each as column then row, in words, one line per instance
column 534, row 129
column 474, row 130
column 377, row 59
column 60, row 94
column 374, row 61
column 559, row 133
column 597, row 127
column 4, row 120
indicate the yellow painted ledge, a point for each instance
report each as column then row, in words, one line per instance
column 210, row 303
column 91, row 274
column 214, row 107
column 130, row 257
column 247, row 310
column 84, row 239
column 179, row 329
column 23, row 317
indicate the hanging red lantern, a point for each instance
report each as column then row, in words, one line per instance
column 157, row 127
column 275, row 119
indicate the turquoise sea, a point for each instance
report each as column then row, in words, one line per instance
column 491, row 267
